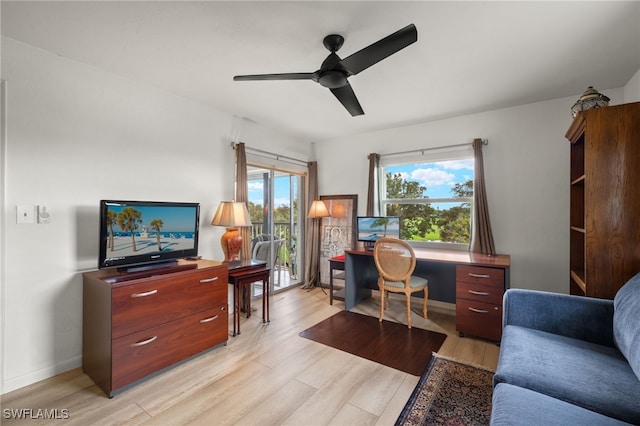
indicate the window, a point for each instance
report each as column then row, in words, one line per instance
column 433, row 198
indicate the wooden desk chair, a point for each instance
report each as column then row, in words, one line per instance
column 396, row 261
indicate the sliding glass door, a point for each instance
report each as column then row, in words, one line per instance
column 275, row 203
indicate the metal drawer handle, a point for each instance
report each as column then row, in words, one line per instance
column 479, row 275
column 202, row 321
column 144, row 342
column 145, row 294
column 478, row 311
column 209, row 280
column 478, row 293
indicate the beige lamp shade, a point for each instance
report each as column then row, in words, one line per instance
column 232, row 215
column 318, row 209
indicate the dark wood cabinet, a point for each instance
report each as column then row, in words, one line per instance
column 479, row 292
column 604, row 215
column 138, row 323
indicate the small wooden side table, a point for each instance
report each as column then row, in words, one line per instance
column 241, row 275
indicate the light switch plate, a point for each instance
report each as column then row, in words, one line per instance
column 25, row 214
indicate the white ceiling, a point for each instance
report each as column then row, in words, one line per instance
column 469, row 57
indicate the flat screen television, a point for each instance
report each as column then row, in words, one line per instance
column 371, row 228
column 146, row 233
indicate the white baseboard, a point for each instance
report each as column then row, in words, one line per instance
column 42, row 374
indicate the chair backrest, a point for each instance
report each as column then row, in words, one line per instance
column 394, row 259
column 262, row 248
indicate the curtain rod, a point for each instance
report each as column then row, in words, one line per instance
column 422, row 150
column 273, row 155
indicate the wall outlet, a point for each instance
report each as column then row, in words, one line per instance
column 44, row 217
column 25, row 214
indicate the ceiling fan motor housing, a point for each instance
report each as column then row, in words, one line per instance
column 332, row 79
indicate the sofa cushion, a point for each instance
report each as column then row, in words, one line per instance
column 626, row 322
column 595, row 377
column 513, row 405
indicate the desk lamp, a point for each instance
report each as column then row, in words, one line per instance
column 232, row 215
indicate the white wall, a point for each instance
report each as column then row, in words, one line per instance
column 632, row 89
column 527, row 177
column 76, row 134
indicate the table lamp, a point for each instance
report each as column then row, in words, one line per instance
column 232, row 215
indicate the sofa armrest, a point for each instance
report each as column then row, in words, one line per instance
column 583, row 318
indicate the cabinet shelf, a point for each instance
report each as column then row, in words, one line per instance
column 578, row 181
column 578, row 279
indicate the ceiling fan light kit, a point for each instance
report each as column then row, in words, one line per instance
column 334, row 71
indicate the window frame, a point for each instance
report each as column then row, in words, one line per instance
column 459, row 153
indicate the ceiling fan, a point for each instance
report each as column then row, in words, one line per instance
column 333, row 72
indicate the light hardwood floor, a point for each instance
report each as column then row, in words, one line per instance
column 268, row 375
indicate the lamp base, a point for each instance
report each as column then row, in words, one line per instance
column 231, row 242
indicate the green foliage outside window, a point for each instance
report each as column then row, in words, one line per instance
column 421, row 220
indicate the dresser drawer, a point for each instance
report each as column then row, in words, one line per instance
column 479, row 292
column 154, row 301
column 479, row 319
column 142, row 353
column 480, row 275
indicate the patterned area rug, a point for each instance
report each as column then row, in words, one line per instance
column 449, row 393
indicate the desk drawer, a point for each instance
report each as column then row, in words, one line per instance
column 149, row 303
column 479, row 319
column 480, row 275
column 142, row 353
column 479, row 292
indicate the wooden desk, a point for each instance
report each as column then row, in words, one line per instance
column 241, row 275
column 474, row 282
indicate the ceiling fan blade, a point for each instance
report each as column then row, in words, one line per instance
column 347, row 97
column 381, row 49
column 286, row 76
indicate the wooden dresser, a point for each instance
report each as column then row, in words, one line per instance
column 479, row 292
column 135, row 324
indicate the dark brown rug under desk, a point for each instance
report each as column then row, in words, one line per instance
column 386, row 342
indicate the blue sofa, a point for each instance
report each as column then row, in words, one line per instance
column 569, row 360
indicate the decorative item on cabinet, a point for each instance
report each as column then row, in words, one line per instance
column 590, row 99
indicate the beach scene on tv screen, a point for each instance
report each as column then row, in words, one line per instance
column 139, row 230
column 373, row 228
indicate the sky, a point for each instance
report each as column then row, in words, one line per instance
column 438, row 177
column 174, row 219
column 281, row 191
